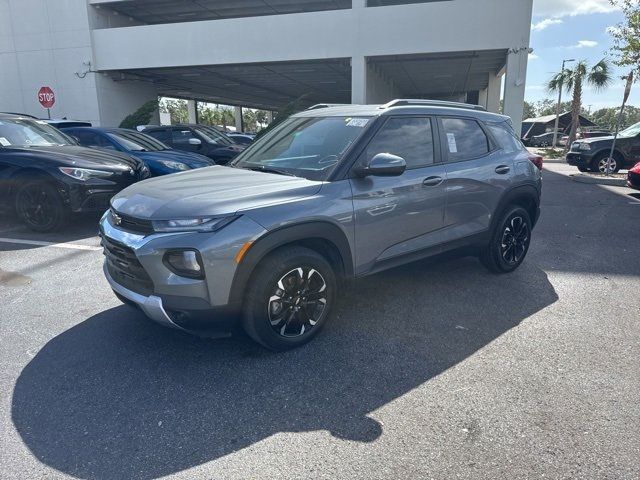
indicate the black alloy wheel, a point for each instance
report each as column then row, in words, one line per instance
column 39, row 206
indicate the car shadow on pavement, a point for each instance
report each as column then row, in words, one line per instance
column 78, row 229
column 119, row 397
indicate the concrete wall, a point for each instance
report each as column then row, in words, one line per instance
column 39, row 46
column 45, row 42
column 458, row 25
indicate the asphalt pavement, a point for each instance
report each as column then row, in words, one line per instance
column 432, row 370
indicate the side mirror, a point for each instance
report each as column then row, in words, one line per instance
column 195, row 141
column 385, row 165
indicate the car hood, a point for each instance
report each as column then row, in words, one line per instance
column 209, row 192
column 83, row 157
column 193, row 160
column 596, row 139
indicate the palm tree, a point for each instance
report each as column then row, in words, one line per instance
column 573, row 79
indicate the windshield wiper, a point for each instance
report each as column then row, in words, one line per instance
column 270, row 170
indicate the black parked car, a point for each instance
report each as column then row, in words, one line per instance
column 45, row 175
column 200, row 139
column 592, row 153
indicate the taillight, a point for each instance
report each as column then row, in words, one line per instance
column 536, row 160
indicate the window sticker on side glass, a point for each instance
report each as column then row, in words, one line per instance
column 453, row 146
column 4, row 142
column 357, row 122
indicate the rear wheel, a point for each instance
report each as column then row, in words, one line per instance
column 289, row 298
column 509, row 242
column 40, row 206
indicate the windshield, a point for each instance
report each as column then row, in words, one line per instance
column 138, row 142
column 632, row 131
column 305, row 147
column 212, row 135
column 23, row 132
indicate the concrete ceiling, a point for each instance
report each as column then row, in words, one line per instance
column 171, row 11
column 438, row 75
column 272, row 85
column 266, row 85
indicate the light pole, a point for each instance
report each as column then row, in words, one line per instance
column 555, row 128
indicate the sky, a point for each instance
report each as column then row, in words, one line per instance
column 566, row 29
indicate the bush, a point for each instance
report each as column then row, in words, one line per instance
column 140, row 116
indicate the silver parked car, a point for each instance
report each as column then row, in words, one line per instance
column 331, row 193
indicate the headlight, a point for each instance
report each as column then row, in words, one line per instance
column 584, row 146
column 174, row 165
column 83, row 173
column 200, row 224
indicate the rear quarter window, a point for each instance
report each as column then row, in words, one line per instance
column 505, row 136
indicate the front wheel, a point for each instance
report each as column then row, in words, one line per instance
column 600, row 164
column 509, row 242
column 40, row 206
column 289, row 298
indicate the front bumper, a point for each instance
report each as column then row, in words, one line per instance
column 135, row 270
column 579, row 159
column 151, row 305
column 633, row 180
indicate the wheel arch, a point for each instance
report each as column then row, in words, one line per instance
column 323, row 237
column 526, row 196
column 28, row 173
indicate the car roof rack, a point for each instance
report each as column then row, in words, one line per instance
column 407, row 102
column 326, row 105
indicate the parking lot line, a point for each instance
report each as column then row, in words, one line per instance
column 72, row 246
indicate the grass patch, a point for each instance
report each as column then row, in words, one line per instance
column 551, row 152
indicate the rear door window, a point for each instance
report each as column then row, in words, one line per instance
column 163, row 135
column 464, row 139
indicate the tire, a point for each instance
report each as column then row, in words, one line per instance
column 599, row 163
column 275, row 313
column 39, row 206
column 501, row 255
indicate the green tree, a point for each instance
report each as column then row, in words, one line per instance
column 176, row 108
column 606, row 117
column 626, row 35
column 573, row 81
column 529, row 110
column 141, row 116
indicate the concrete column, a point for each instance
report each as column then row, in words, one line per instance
column 493, row 92
column 358, row 3
column 482, row 98
column 237, row 113
column 270, row 116
column 192, row 110
column 514, row 86
column 358, row 80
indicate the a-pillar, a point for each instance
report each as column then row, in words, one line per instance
column 192, row 111
column 514, row 86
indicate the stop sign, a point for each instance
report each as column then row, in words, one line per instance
column 46, row 97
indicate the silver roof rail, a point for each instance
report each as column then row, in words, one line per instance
column 407, row 102
column 326, row 105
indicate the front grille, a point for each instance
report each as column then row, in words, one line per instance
column 97, row 201
column 125, row 268
column 131, row 224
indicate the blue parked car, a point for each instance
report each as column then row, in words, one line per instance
column 159, row 158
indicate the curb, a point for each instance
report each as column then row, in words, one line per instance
column 615, row 182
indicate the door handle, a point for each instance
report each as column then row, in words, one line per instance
column 432, row 181
column 502, row 169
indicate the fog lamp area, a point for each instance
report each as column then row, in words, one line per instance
column 185, row 263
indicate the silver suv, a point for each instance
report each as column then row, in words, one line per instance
column 334, row 192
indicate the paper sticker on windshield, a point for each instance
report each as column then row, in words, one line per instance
column 357, row 122
column 4, row 142
column 453, row 146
